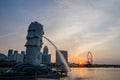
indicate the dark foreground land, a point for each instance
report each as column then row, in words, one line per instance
column 99, row 66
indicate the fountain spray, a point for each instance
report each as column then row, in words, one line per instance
column 62, row 59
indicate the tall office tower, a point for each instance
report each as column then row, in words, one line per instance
column 46, row 58
column 23, row 56
column 15, row 55
column 58, row 59
column 45, row 50
column 10, row 53
column 18, row 56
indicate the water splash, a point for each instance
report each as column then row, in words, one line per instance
column 62, row 59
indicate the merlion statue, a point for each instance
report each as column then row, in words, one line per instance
column 34, row 44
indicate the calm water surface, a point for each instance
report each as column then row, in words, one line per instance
column 92, row 74
column 95, row 73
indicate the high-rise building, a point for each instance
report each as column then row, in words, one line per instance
column 46, row 58
column 18, row 57
column 15, row 55
column 10, row 53
column 22, row 56
column 45, row 50
column 58, row 59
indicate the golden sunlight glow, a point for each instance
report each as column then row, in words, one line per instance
column 82, row 61
column 78, row 60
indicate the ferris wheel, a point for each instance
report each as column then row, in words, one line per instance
column 89, row 58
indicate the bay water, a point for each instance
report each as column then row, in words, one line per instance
column 95, row 74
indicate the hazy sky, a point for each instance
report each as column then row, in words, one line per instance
column 78, row 26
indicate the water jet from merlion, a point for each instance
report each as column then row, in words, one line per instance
column 62, row 59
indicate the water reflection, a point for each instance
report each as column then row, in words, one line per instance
column 96, row 73
column 90, row 74
column 79, row 72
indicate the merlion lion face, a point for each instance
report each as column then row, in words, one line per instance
column 35, row 33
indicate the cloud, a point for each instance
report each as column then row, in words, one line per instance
column 73, row 25
column 7, row 35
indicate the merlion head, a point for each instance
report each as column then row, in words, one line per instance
column 37, row 27
column 35, row 33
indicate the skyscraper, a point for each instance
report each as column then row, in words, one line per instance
column 45, row 50
column 18, row 57
column 58, row 59
column 15, row 55
column 46, row 58
column 10, row 53
column 22, row 56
